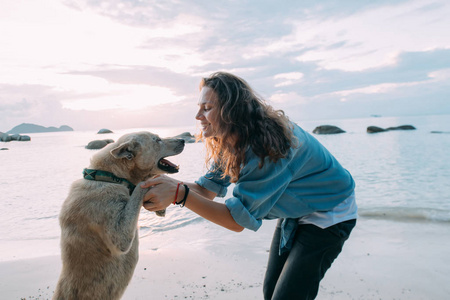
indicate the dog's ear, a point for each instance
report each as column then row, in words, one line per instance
column 123, row 151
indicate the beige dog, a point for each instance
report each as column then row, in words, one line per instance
column 99, row 239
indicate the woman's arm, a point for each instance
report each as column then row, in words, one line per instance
column 201, row 191
column 162, row 193
column 215, row 212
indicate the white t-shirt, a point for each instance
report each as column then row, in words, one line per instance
column 344, row 211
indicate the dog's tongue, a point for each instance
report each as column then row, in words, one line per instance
column 165, row 161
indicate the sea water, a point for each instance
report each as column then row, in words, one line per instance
column 400, row 175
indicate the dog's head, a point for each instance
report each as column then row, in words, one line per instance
column 141, row 155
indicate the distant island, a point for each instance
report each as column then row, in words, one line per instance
column 33, row 128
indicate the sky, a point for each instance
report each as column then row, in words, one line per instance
column 120, row 64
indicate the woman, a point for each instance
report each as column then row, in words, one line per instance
column 280, row 172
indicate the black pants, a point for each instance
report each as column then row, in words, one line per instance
column 295, row 275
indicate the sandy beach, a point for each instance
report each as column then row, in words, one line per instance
column 382, row 260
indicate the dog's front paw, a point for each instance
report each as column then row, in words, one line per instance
column 139, row 192
column 161, row 213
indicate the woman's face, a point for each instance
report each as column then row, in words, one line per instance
column 208, row 113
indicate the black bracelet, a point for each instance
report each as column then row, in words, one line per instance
column 186, row 193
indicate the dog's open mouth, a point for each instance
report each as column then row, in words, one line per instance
column 167, row 166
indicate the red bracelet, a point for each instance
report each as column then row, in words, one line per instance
column 176, row 194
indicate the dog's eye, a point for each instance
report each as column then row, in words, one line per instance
column 158, row 140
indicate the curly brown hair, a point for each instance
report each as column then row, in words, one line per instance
column 245, row 120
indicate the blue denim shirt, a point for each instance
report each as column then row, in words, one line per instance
column 309, row 179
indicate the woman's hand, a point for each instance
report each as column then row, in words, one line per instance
column 161, row 193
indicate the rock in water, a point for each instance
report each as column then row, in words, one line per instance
column 5, row 137
column 98, row 144
column 402, row 127
column 327, row 129
column 186, row 136
column 104, row 130
column 375, row 129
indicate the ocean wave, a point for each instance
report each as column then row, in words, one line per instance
column 146, row 228
column 406, row 214
column 41, row 218
column 16, row 238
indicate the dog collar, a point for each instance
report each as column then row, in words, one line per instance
column 98, row 175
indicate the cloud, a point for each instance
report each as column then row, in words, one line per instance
column 138, row 63
column 286, row 79
column 372, row 38
column 44, row 108
column 179, row 83
column 28, row 104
